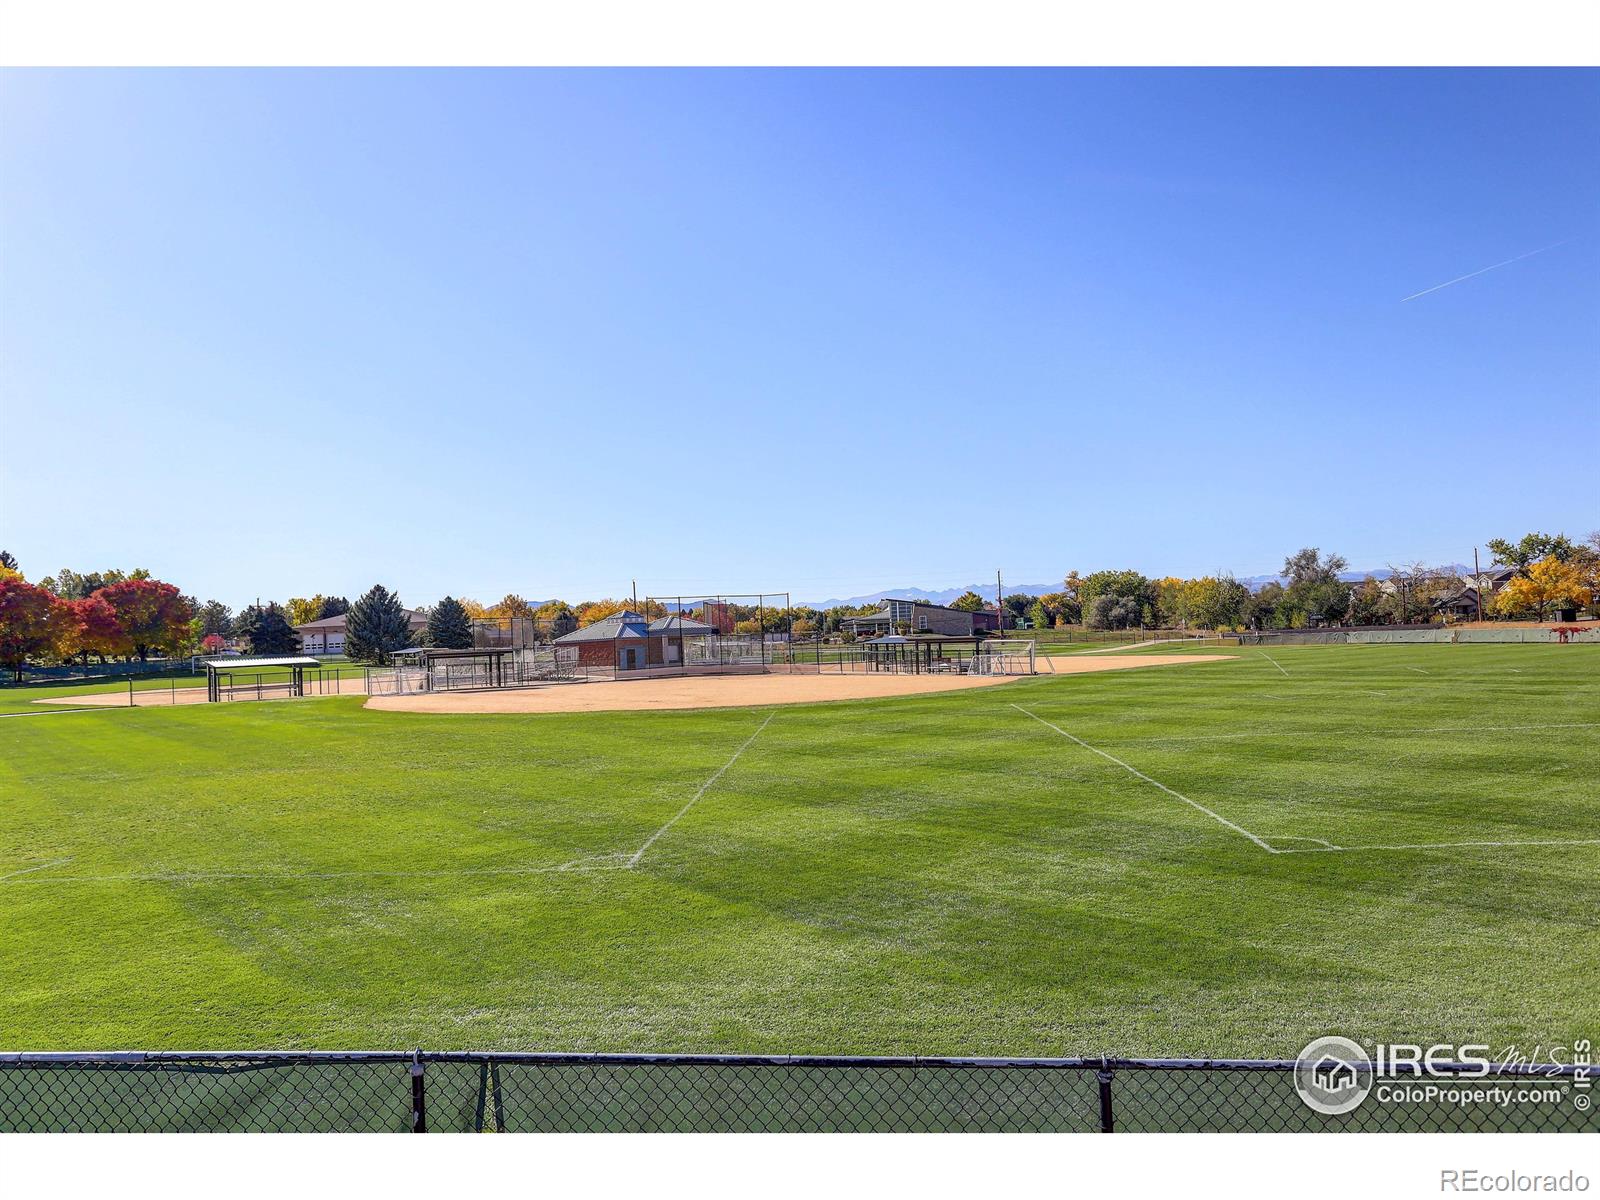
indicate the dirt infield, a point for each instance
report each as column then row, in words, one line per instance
column 742, row 691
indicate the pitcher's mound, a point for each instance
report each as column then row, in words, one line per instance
column 745, row 691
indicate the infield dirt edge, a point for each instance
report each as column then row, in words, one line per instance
column 748, row 691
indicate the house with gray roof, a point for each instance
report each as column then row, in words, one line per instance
column 327, row 635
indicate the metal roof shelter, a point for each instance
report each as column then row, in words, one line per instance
column 918, row 651
column 493, row 656
column 678, row 623
column 258, row 666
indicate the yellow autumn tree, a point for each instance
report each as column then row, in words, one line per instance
column 302, row 611
column 1548, row 583
column 512, row 606
column 475, row 610
column 598, row 610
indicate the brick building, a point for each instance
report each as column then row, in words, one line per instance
column 627, row 641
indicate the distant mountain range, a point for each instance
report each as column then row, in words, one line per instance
column 942, row 596
column 986, row 590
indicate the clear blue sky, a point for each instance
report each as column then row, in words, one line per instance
column 275, row 333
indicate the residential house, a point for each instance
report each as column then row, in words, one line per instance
column 327, row 635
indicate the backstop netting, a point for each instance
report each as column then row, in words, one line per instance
column 1007, row 657
column 722, row 631
column 526, row 668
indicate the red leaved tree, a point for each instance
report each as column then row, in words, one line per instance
column 153, row 615
column 213, row 643
column 90, row 626
column 30, row 622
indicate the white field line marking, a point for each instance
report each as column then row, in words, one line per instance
column 601, row 862
column 1290, row 837
column 60, row 862
column 704, row 787
column 1274, row 662
column 1138, row 645
column 1434, row 846
column 56, row 712
column 288, row 876
column 1290, row 733
column 1419, row 670
column 1370, row 692
column 1239, row 829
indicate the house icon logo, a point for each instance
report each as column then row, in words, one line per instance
column 1333, row 1075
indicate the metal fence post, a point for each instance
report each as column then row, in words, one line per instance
column 1104, row 1074
column 419, row 1108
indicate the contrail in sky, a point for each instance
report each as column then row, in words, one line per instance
column 1496, row 267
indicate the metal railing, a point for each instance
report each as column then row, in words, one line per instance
column 419, row 1092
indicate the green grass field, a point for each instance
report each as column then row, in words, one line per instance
column 1377, row 841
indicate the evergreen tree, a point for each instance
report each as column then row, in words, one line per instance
column 449, row 627
column 266, row 630
column 215, row 618
column 333, row 606
column 376, row 626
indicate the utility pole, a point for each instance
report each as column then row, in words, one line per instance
column 635, row 584
column 999, row 604
column 1477, row 582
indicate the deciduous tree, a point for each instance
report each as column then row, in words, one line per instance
column 1111, row 611
column 1529, row 549
column 1122, row 585
column 555, row 619
column 598, row 610
column 1367, row 602
column 968, row 602
column 152, row 614
column 1261, row 610
column 302, row 611
column 512, row 606
column 1063, row 608
column 1214, row 603
column 1548, row 584
column 30, row 623
column 90, row 626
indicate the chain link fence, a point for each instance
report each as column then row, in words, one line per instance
column 547, row 1093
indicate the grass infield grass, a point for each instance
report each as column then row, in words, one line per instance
column 939, row 875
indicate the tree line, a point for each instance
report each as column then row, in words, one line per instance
column 71, row 617
column 106, row 614
column 1549, row 574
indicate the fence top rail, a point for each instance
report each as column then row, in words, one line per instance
column 558, row 1058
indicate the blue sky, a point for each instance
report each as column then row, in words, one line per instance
column 275, row 333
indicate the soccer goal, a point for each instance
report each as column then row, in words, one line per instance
column 1012, row 656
